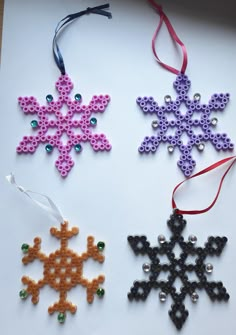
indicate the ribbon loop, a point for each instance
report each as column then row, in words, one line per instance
column 69, row 18
column 206, row 170
column 164, row 19
column 52, row 209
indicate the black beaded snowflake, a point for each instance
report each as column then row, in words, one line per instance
column 178, row 268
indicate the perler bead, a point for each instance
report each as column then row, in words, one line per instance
column 169, row 117
column 63, row 270
column 78, row 129
column 177, row 267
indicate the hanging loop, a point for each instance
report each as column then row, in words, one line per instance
column 51, row 208
column 231, row 159
column 69, row 18
column 164, row 19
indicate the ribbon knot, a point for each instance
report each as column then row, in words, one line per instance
column 20, row 188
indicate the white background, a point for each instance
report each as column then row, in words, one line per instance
column 111, row 195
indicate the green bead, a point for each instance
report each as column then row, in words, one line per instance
column 78, row 97
column 78, row 147
column 25, row 248
column 93, row 121
column 23, row 294
column 61, row 317
column 49, row 148
column 101, row 245
column 49, row 98
column 34, row 124
column 100, row 292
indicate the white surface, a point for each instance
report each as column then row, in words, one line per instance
column 119, row 193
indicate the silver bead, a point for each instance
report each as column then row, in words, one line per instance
column 162, row 296
column 209, row 268
column 161, row 239
column 170, row 149
column 194, row 297
column 155, row 124
column 214, row 121
column 192, row 239
column 201, row 146
column 146, row 267
column 197, row 96
column 167, row 98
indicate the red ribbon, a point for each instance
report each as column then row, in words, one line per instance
column 208, row 169
column 174, row 36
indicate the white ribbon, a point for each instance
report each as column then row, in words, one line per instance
column 52, row 209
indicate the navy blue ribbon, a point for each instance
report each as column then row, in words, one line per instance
column 69, row 18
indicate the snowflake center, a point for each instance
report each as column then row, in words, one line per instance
column 178, row 284
column 184, row 138
column 184, row 109
column 64, row 138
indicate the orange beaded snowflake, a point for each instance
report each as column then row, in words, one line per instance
column 63, row 270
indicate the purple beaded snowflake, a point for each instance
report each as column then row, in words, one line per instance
column 185, row 123
column 64, row 124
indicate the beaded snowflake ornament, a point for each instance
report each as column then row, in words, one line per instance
column 177, row 268
column 182, row 116
column 198, row 116
column 77, row 124
column 67, row 130
column 183, row 258
column 62, row 270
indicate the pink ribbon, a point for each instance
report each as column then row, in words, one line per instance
column 164, row 19
column 231, row 159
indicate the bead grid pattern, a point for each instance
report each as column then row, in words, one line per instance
column 64, row 124
column 185, row 123
column 63, row 270
column 177, row 268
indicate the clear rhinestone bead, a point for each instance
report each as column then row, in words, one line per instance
column 167, row 98
column 192, row 239
column 194, row 297
column 154, row 124
column 197, row 96
column 214, row 121
column 146, row 267
column 170, row 149
column 201, row 146
column 162, row 296
column 209, row 268
column 161, row 239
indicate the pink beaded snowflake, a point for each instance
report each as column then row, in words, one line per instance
column 64, row 124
